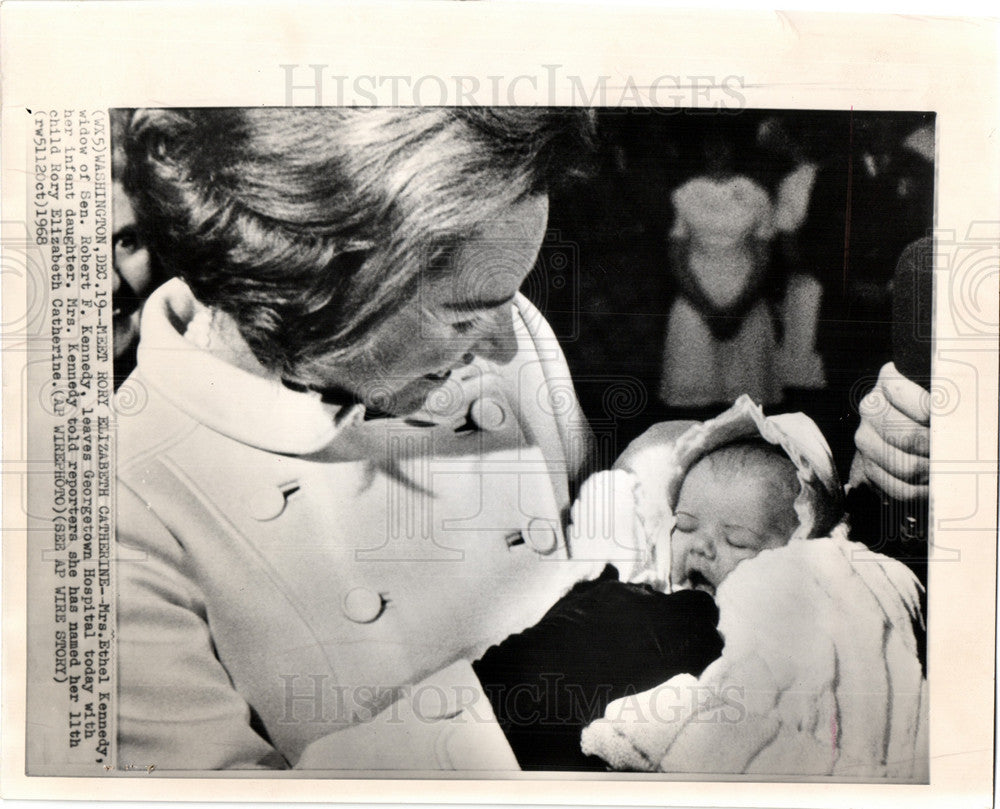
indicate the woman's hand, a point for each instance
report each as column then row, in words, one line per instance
column 893, row 440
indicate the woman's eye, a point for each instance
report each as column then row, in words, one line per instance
column 126, row 239
column 479, row 320
column 465, row 326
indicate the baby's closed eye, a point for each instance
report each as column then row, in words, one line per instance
column 741, row 537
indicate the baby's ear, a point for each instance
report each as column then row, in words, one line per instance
column 655, row 438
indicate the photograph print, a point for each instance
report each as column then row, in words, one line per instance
column 500, row 440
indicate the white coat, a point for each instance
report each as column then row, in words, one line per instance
column 299, row 586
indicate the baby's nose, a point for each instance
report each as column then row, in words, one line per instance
column 704, row 544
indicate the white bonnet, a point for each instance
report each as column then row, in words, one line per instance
column 661, row 457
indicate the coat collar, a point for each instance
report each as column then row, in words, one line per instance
column 252, row 409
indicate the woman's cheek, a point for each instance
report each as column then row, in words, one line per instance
column 137, row 272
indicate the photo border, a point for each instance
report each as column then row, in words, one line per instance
column 57, row 56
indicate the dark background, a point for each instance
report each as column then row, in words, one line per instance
column 603, row 282
column 603, row 278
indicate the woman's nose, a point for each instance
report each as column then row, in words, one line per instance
column 499, row 344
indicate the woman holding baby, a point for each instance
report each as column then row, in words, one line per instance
column 357, row 450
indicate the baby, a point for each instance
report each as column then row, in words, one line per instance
column 734, row 503
column 819, row 644
column 688, row 501
column 805, row 663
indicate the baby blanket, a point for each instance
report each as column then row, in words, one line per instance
column 819, row 676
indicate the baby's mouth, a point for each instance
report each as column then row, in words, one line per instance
column 697, row 580
column 440, row 376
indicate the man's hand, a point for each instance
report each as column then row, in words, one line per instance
column 893, row 440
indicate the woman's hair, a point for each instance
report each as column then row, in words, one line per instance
column 308, row 226
column 120, row 118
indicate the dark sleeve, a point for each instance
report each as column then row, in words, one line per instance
column 604, row 640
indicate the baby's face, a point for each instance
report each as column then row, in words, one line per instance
column 723, row 518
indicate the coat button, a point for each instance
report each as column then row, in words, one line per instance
column 542, row 536
column 362, row 605
column 266, row 503
column 487, row 414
